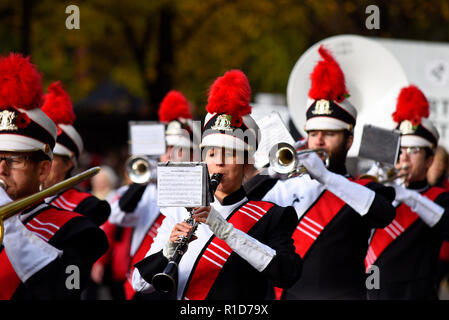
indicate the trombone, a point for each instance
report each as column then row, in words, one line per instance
column 14, row 207
column 283, row 159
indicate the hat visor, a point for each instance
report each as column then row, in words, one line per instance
column 225, row 141
column 61, row 150
column 326, row 123
column 178, row 141
column 19, row 143
column 74, row 135
column 415, row 141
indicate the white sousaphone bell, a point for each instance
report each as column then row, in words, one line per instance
column 373, row 77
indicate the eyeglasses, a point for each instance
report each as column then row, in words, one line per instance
column 411, row 150
column 15, row 162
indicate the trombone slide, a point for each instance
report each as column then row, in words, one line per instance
column 14, row 207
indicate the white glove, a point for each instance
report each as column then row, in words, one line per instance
column 254, row 252
column 169, row 249
column 26, row 251
column 219, row 226
column 402, row 193
column 355, row 195
column 314, row 165
column 379, row 171
column 426, row 209
column 4, row 198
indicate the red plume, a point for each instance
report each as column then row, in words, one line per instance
column 174, row 106
column 411, row 105
column 20, row 83
column 328, row 80
column 230, row 94
column 58, row 105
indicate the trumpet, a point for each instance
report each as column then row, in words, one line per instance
column 166, row 281
column 283, row 159
column 140, row 169
column 14, row 207
column 394, row 174
column 384, row 176
column 394, row 177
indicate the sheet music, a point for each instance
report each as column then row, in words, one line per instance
column 147, row 139
column 180, row 186
column 273, row 131
column 379, row 144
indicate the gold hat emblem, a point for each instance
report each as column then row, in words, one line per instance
column 406, row 127
column 322, row 107
column 223, row 122
column 7, row 120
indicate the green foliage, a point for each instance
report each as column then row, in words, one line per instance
column 121, row 40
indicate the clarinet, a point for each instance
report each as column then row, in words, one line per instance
column 166, row 281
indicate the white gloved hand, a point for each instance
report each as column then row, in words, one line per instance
column 426, row 209
column 169, row 249
column 254, row 252
column 379, row 171
column 402, row 193
column 4, row 198
column 219, row 226
column 374, row 170
column 26, row 251
column 355, row 195
column 315, row 166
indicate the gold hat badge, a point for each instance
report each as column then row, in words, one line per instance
column 322, row 107
column 223, row 122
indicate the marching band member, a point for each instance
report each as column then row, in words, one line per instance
column 69, row 145
column 136, row 205
column 406, row 251
column 240, row 245
column 112, row 267
column 43, row 244
column 335, row 211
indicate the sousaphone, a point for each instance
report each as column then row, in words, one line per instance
column 373, row 77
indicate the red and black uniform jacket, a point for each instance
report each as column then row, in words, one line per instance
column 237, row 279
column 81, row 243
column 128, row 203
column 408, row 265
column 84, row 203
column 333, row 266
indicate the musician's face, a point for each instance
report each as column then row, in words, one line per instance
column 414, row 163
column 60, row 167
column 335, row 143
column 21, row 174
column 230, row 164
